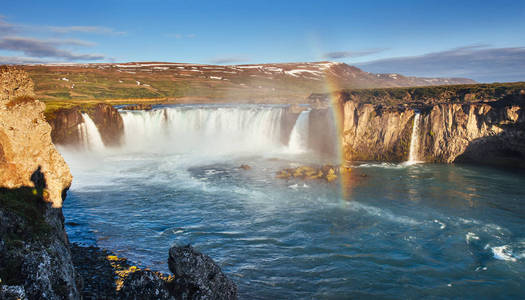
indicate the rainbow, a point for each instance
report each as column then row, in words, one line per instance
column 337, row 107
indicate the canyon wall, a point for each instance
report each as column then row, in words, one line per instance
column 35, row 261
column 490, row 132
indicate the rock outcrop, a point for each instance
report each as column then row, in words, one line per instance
column 109, row 123
column 35, row 262
column 25, row 140
column 197, row 276
column 65, row 124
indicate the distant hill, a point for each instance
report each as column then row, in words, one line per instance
column 290, row 82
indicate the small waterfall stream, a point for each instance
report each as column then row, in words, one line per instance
column 89, row 134
column 414, row 140
column 299, row 136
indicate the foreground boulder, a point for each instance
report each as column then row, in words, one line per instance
column 197, row 276
column 145, row 284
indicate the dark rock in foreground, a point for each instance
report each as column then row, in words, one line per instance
column 197, row 276
column 106, row 276
column 145, row 284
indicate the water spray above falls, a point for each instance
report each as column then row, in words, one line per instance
column 299, row 137
column 414, row 140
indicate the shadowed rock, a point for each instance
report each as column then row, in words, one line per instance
column 109, row 123
column 64, row 123
column 144, row 284
column 197, row 276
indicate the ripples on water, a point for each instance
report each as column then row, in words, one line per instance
column 422, row 230
column 400, row 231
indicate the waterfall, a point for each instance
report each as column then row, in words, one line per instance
column 299, row 136
column 414, row 140
column 89, row 134
column 208, row 129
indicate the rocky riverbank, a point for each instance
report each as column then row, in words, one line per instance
column 104, row 275
column 36, row 261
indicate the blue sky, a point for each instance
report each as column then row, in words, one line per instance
column 483, row 40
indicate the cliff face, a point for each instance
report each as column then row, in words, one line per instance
column 371, row 133
column 485, row 132
column 25, row 139
column 109, row 123
column 65, row 124
column 35, row 261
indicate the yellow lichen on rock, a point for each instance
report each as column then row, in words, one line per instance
column 327, row 172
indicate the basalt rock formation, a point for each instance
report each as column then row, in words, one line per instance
column 489, row 131
column 35, row 262
column 109, row 123
column 65, row 124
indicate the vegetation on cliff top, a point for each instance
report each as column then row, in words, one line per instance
column 466, row 93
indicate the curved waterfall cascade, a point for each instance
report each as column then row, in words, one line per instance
column 299, row 137
column 414, row 140
column 89, row 134
column 204, row 129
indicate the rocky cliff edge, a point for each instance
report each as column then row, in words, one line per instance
column 25, row 139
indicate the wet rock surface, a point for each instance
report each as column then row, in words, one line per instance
column 327, row 172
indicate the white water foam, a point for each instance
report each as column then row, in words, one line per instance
column 383, row 213
column 503, row 253
column 90, row 135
